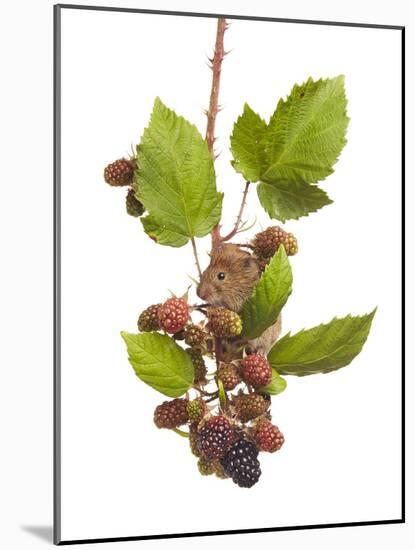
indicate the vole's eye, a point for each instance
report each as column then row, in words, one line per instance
column 221, row 275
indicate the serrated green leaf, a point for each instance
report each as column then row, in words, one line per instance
column 160, row 234
column 321, row 349
column 276, row 386
column 269, row 296
column 159, row 362
column 291, row 200
column 175, row 175
column 307, row 132
column 247, row 144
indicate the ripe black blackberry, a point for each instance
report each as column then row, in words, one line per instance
column 241, row 463
column 215, row 437
column 171, row 414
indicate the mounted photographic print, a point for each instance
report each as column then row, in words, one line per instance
column 228, row 229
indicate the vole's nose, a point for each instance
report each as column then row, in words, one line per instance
column 201, row 292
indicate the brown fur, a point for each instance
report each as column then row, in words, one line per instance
column 241, row 273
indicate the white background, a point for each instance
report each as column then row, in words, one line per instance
column 27, row 343
column 341, row 460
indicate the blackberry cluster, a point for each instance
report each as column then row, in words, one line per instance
column 241, row 463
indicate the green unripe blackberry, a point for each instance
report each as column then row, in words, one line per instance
column 250, row 406
column 229, row 375
column 224, row 323
column 148, row 319
column 196, row 409
column 199, row 365
column 132, row 205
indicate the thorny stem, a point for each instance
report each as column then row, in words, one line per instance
column 212, row 398
column 239, row 218
column 216, row 65
column 210, row 129
column 196, row 257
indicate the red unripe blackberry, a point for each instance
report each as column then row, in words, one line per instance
column 241, row 463
column 215, row 437
column 199, row 365
column 268, row 437
column 224, row 323
column 256, row 370
column 228, row 374
column 133, row 205
column 120, row 172
column 267, row 242
column 250, row 406
column 171, row 414
column 173, row 314
column 148, row 320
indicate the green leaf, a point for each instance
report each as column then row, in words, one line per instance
column 306, row 134
column 159, row 362
column 269, row 296
column 321, row 349
column 176, row 178
column 246, row 144
column 160, row 234
column 276, row 386
column 289, row 201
